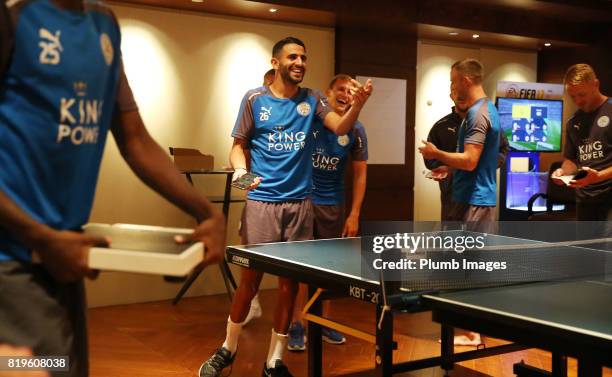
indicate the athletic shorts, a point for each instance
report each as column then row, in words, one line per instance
column 49, row 317
column 476, row 218
column 265, row 222
column 328, row 220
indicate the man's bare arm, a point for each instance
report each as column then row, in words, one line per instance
column 466, row 160
column 64, row 253
column 341, row 125
column 351, row 225
column 153, row 166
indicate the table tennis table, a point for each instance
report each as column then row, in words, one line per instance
column 568, row 318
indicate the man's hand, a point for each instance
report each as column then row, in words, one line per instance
column 239, row 172
column 212, row 233
column 591, row 177
column 558, row 173
column 360, row 93
column 351, row 226
column 429, row 150
column 441, row 173
column 65, row 254
column 557, row 179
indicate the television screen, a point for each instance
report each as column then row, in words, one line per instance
column 531, row 124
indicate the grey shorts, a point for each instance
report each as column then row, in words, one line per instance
column 49, row 317
column 476, row 218
column 328, row 220
column 265, row 222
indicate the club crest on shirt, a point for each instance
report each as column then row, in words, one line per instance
column 603, row 121
column 107, row 48
column 343, row 140
column 303, row 109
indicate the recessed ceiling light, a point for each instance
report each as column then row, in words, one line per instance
column 272, row 10
column 453, row 33
column 547, row 44
column 475, row 36
column 198, row 1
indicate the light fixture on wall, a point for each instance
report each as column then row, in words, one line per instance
column 475, row 36
column 453, row 33
column 547, row 44
column 197, row 1
column 273, row 10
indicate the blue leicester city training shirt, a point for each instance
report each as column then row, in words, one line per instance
column 56, row 105
column 329, row 161
column 481, row 126
column 588, row 143
column 279, row 132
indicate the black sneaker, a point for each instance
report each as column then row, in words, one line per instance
column 279, row 370
column 217, row 362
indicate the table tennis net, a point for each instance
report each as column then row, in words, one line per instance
column 500, row 261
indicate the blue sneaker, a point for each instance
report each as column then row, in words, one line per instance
column 332, row 336
column 297, row 339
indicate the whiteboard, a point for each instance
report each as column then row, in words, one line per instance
column 384, row 118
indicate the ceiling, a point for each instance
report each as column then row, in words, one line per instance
column 589, row 12
column 574, row 10
column 243, row 8
column 465, row 36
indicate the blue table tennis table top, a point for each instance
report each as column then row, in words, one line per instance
column 341, row 256
column 568, row 317
column 582, row 306
column 344, row 256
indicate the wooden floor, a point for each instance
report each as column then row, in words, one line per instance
column 159, row 339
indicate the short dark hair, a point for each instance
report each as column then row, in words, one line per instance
column 278, row 46
column 339, row 77
column 471, row 68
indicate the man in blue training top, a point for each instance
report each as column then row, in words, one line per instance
column 475, row 162
column 255, row 309
column 63, row 88
column 588, row 145
column 276, row 124
column 329, row 162
column 443, row 135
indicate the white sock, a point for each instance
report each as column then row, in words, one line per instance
column 231, row 335
column 278, row 344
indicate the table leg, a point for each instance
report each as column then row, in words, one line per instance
column 589, row 368
column 559, row 364
column 315, row 341
column 447, row 347
column 384, row 344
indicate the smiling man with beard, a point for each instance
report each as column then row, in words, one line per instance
column 276, row 124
